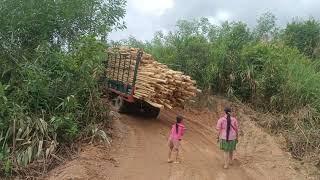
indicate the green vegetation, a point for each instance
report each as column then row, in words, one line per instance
column 274, row 69
column 50, row 61
column 51, row 56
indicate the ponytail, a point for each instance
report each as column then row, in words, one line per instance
column 179, row 119
column 177, row 128
column 228, row 125
column 227, row 110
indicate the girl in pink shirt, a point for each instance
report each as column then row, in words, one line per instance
column 227, row 128
column 175, row 137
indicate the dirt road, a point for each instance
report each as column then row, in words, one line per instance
column 145, row 154
column 139, row 152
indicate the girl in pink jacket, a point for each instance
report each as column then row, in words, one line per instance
column 175, row 137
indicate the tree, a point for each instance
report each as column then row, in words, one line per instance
column 133, row 42
column 304, row 35
column 25, row 24
column 51, row 56
column 266, row 27
column 187, row 28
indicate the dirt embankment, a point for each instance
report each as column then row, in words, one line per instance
column 139, row 152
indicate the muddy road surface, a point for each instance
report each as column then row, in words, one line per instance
column 139, row 152
column 143, row 153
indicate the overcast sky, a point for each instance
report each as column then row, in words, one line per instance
column 144, row 17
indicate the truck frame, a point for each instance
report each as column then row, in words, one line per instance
column 121, row 88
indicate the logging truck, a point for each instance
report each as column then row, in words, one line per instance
column 121, row 89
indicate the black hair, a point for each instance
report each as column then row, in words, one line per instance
column 179, row 119
column 227, row 110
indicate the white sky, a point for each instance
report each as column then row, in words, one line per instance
column 145, row 17
column 151, row 7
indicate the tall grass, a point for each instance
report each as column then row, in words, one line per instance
column 281, row 78
column 50, row 101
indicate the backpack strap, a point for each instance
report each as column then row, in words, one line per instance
column 236, row 130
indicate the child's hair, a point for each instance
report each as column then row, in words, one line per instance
column 179, row 119
column 227, row 110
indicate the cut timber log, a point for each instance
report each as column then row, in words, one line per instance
column 156, row 84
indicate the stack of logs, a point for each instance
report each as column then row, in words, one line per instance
column 156, row 84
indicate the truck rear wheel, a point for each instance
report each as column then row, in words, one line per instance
column 153, row 112
column 119, row 104
column 150, row 111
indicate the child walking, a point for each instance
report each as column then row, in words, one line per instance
column 176, row 134
column 227, row 129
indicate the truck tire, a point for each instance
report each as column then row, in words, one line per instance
column 144, row 109
column 152, row 112
column 119, row 104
